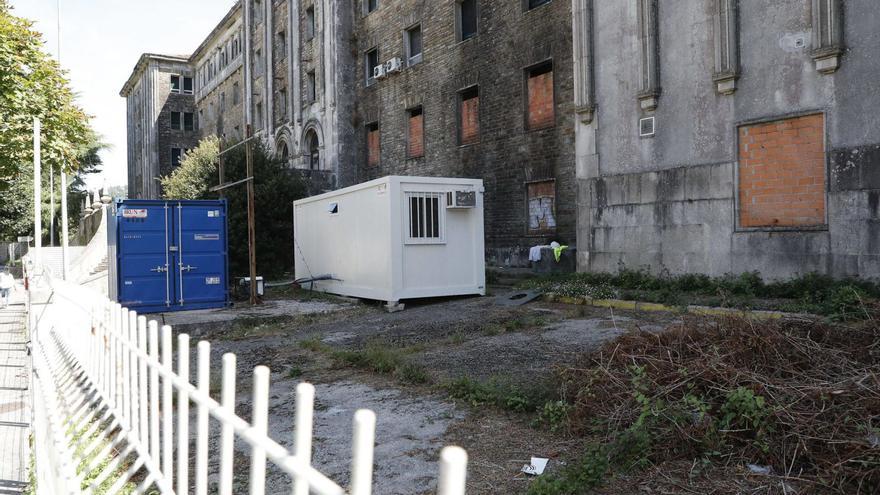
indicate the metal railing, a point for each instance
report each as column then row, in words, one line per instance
column 112, row 413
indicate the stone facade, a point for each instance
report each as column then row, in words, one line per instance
column 728, row 136
column 485, row 112
column 300, row 68
column 150, row 102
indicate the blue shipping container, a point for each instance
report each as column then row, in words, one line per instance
column 169, row 255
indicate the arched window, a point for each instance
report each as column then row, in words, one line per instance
column 314, row 151
column 284, row 153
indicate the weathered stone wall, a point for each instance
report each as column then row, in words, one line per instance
column 671, row 201
column 508, row 154
column 170, row 138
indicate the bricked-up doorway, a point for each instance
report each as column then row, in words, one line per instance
column 782, row 173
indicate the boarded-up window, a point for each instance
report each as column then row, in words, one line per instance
column 782, row 173
column 373, row 144
column 415, row 133
column 540, row 106
column 469, row 132
column 542, row 206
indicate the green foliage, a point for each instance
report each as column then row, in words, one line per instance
column 275, row 189
column 33, row 85
column 746, row 411
column 497, row 392
column 193, row 178
column 838, row 299
column 377, row 357
column 579, row 477
column 554, row 415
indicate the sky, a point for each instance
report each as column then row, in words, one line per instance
column 101, row 41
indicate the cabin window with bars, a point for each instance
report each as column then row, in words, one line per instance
column 426, row 214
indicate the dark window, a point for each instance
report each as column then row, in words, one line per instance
column 222, row 101
column 282, row 45
column 176, row 154
column 467, row 19
column 469, row 112
column 175, row 121
column 188, row 85
column 175, row 84
column 373, row 144
column 414, row 45
column 540, row 109
column 371, row 5
column 314, row 151
column 188, row 122
column 282, row 101
column 372, row 61
column 415, row 137
column 236, row 93
column 536, row 3
column 310, row 23
column 259, row 116
column 311, row 91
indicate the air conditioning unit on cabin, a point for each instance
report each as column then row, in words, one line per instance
column 461, row 199
column 379, row 71
column 393, row 65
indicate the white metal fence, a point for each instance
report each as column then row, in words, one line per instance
column 112, row 413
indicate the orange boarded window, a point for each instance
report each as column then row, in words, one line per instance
column 416, row 133
column 540, row 108
column 373, row 144
column 470, row 116
column 782, row 173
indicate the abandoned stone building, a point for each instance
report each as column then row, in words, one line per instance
column 240, row 75
column 161, row 108
column 349, row 91
column 728, row 136
column 479, row 89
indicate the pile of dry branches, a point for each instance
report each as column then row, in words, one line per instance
column 800, row 397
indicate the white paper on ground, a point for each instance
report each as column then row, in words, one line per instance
column 536, row 467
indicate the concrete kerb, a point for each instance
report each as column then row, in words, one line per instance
column 691, row 309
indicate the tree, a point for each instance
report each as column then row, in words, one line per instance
column 275, row 189
column 17, row 205
column 192, row 179
column 33, row 85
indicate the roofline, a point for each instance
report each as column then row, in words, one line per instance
column 227, row 19
column 142, row 64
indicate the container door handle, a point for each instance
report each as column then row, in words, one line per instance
column 159, row 269
column 188, row 268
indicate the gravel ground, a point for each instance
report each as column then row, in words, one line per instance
column 450, row 338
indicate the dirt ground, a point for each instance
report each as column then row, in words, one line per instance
column 449, row 338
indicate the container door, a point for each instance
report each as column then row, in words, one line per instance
column 201, row 253
column 144, row 233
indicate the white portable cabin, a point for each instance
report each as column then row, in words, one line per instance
column 393, row 238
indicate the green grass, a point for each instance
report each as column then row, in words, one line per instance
column 498, row 392
column 838, row 299
column 378, row 357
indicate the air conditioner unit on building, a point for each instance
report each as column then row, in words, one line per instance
column 393, row 65
column 461, row 199
column 379, row 72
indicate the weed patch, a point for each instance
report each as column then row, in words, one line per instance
column 836, row 299
column 801, row 397
column 503, row 394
